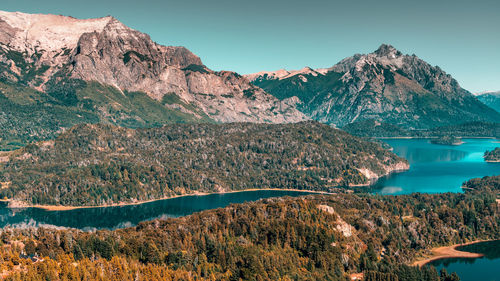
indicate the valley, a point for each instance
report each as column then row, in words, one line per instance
column 124, row 156
column 439, row 170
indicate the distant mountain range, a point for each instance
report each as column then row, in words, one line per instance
column 491, row 99
column 386, row 86
column 57, row 71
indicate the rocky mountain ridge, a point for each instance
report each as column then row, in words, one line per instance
column 283, row 73
column 386, row 86
column 47, row 51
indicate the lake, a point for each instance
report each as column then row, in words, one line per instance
column 130, row 215
column 434, row 168
column 438, row 168
column 486, row 268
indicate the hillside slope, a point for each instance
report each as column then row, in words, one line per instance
column 28, row 115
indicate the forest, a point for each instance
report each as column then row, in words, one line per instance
column 316, row 237
column 447, row 140
column 493, row 155
column 374, row 129
column 485, row 184
column 95, row 164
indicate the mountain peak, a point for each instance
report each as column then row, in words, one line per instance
column 387, row 86
column 29, row 32
column 386, row 50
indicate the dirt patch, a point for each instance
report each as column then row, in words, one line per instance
column 448, row 252
column 5, row 184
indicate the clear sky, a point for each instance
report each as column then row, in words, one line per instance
column 462, row 37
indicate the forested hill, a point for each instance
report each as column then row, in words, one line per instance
column 320, row 237
column 492, row 156
column 485, row 184
column 374, row 129
column 103, row 164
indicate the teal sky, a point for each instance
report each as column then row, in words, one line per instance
column 462, row 37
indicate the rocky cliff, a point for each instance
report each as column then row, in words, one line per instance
column 48, row 52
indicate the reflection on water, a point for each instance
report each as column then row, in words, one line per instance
column 485, row 268
column 391, row 189
column 437, row 168
column 491, row 250
column 124, row 216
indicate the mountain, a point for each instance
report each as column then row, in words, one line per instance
column 99, row 70
column 385, row 85
column 491, row 99
column 96, row 164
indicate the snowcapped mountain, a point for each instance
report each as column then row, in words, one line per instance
column 283, row 73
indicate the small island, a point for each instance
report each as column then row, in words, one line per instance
column 447, row 140
column 492, row 156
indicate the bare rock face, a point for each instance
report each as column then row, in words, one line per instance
column 385, row 85
column 36, row 49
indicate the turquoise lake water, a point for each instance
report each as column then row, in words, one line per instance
column 434, row 168
column 486, row 268
column 438, row 168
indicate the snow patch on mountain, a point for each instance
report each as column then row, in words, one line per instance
column 48, row 32
column 284, row 74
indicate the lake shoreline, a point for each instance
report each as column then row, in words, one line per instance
column 19, row 205
column 14, row 204
column 446, row 252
